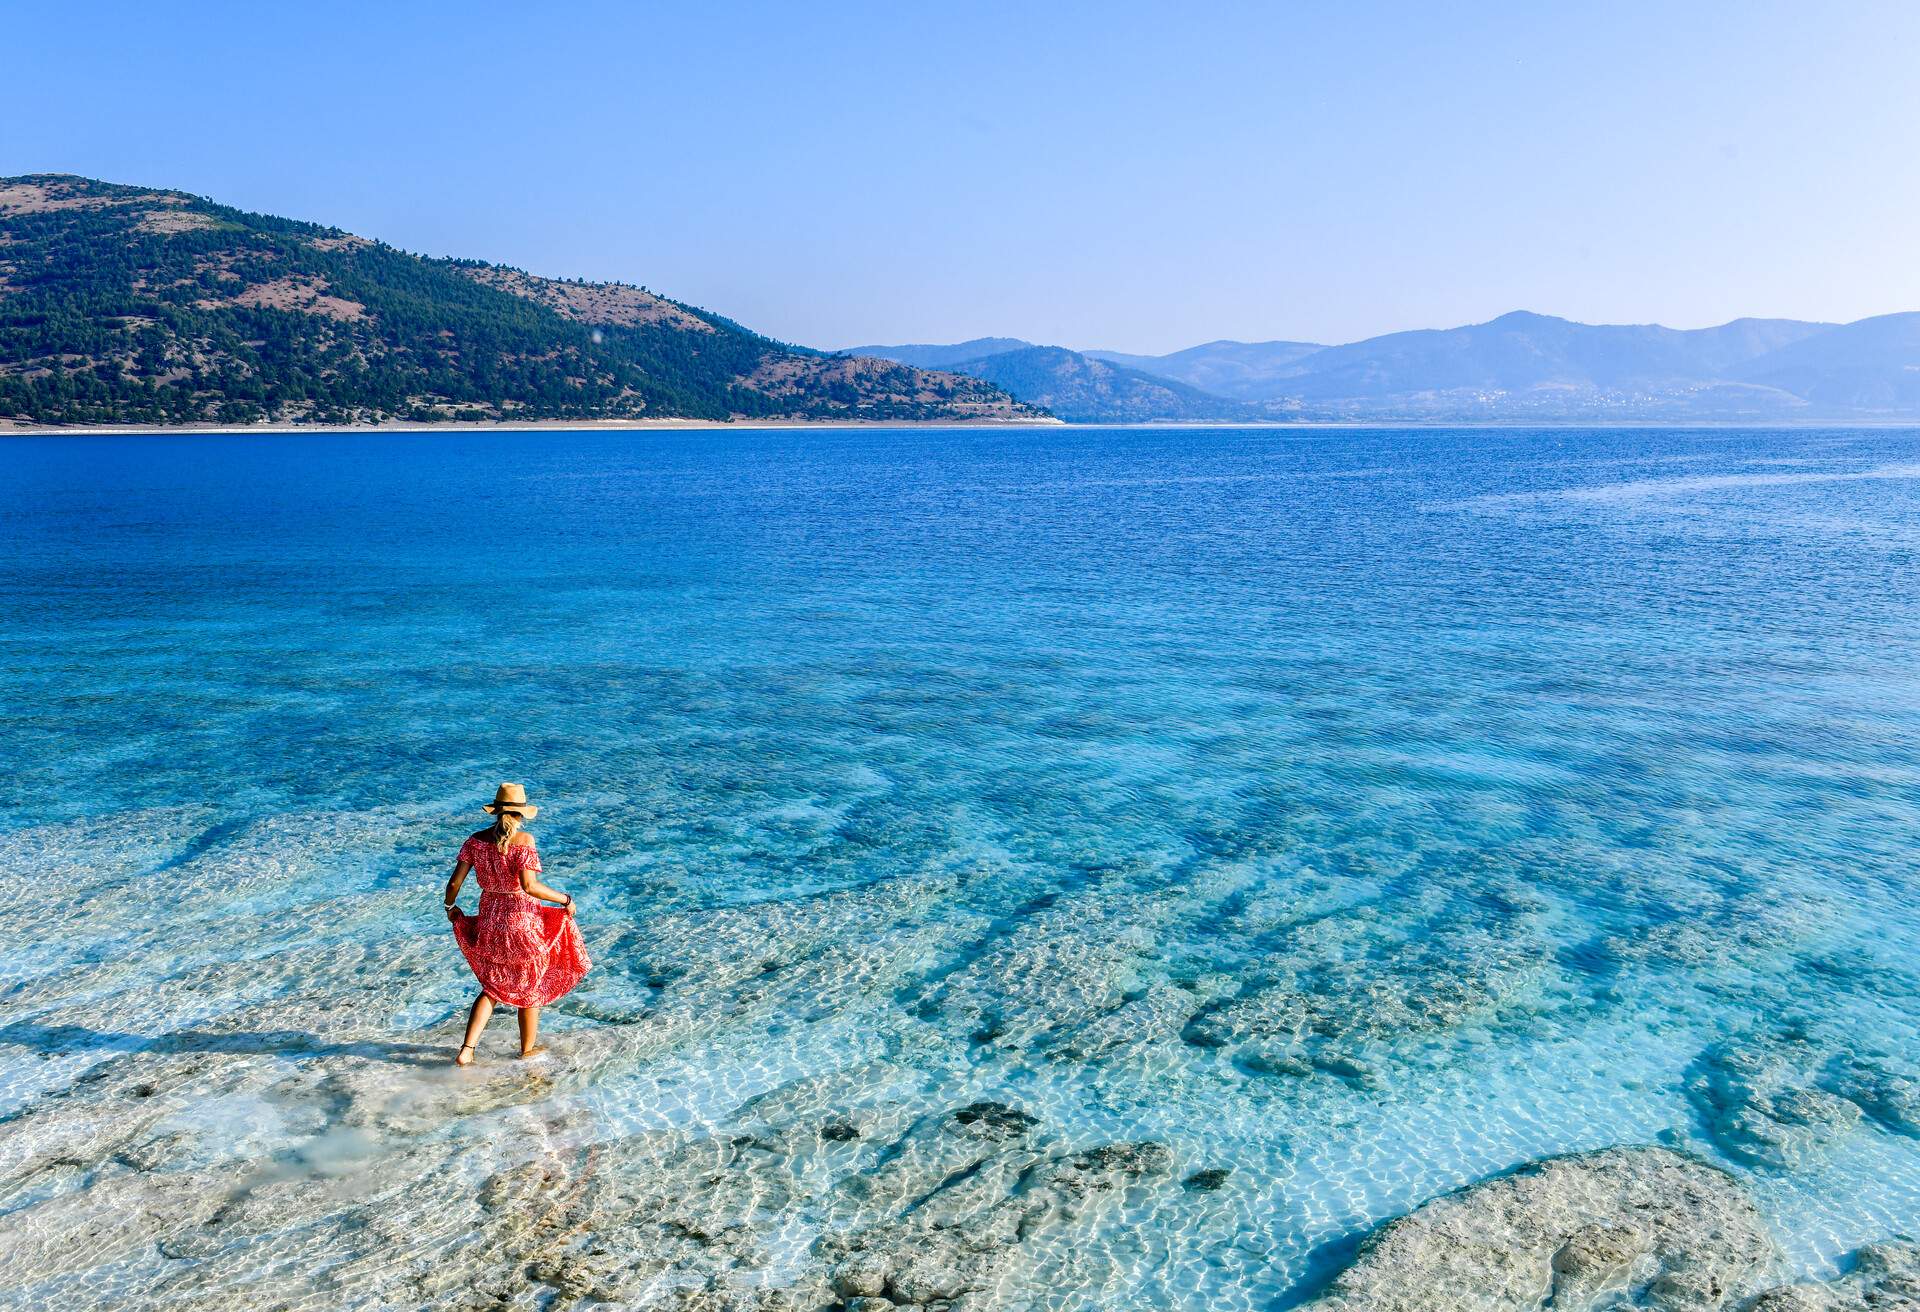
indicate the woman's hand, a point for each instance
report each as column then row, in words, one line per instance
column 568, row 904
column 453, row 911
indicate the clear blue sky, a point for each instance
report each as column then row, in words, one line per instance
column 1141, row 177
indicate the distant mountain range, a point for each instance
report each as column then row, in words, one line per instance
column 127, row 304
column 942, row 357
column 1518, row 367
column 130, row 305
column 1241, row 371
column 1073, row 386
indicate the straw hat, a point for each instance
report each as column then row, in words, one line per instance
column 511, row 797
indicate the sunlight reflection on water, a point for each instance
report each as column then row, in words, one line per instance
column 1352, row 813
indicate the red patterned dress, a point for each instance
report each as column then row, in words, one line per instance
column 525, row 952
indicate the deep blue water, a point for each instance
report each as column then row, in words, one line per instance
column 1389, row 806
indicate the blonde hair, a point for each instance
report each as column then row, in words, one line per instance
column 505, row 825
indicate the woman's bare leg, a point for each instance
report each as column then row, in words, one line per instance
column 530, row 1031
column 476, row 1021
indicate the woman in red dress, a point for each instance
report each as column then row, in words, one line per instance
column 525, row 954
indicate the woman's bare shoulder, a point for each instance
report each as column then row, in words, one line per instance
column 481, row 834
column 521, row 839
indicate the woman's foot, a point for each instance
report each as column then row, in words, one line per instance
column 537, row 1050
column 465, row 1056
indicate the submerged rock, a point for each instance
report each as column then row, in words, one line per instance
column 1890, row 1097
column 1762, row 1101
column 1620, row 1228
column 995, row 1119
column 1345, row 994
column 1743, row 930
column 979, row 1196
column 1884, row 1278
column 788, row 1106
column 1067, row 979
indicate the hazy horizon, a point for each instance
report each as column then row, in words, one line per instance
column 1245, row 341
column 1100, row 177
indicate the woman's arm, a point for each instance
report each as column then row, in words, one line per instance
column 457, row 878
column 530, row 884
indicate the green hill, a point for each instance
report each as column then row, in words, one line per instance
column 129, row 305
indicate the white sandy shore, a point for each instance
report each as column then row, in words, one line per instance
column 10, row 428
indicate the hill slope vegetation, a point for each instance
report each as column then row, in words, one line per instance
column 129, row 305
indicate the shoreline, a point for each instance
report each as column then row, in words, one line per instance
column 9, row 428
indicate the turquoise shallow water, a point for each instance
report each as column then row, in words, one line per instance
column 1359, row 812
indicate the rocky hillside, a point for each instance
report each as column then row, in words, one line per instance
column 129, row 305
column 1078, row 388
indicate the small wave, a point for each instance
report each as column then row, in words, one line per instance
column 1644, row 488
